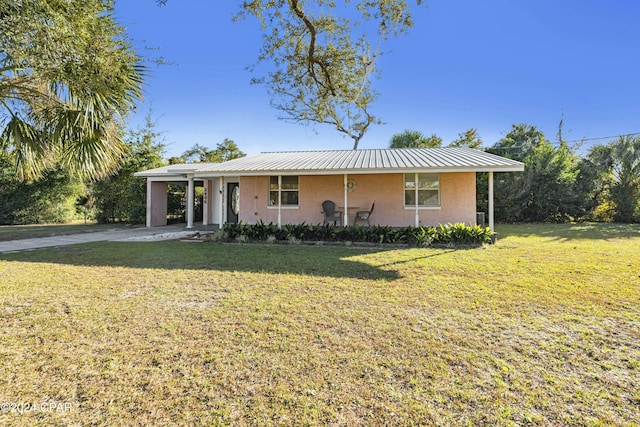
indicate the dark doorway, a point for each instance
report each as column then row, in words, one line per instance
column 233, row 201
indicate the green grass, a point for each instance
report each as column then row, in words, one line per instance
column 14, row 232
column 541, row 329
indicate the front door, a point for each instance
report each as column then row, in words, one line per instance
column 233, row 201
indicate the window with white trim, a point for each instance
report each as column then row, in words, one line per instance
column 421, row 190
column 285, row 189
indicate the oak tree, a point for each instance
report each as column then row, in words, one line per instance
column 322, row 56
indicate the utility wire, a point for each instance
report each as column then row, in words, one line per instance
column 604, row 137
column 555, row 143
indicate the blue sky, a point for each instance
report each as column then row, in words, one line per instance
column 464, row 64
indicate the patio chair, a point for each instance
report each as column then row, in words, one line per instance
column 364, row 215
column 330, row 213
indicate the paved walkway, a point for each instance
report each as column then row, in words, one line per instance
column 115, row 235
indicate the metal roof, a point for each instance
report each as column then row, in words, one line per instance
column 446, row 159
column 171, row 170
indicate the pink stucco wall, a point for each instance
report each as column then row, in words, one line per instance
column 457, row 197
column 156, row 204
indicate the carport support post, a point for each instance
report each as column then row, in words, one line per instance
column 189, row 201
column 491, row 201
column 346, row 201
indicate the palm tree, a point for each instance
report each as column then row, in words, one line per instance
column 625, row 167
column 68, row 78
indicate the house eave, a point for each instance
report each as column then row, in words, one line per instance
column 272, row 172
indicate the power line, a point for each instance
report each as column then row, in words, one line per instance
column 604, row 137
column 557, row 144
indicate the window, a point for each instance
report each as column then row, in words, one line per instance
column 423, row 188
column 285, row 189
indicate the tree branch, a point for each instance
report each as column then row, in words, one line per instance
column 311, row 57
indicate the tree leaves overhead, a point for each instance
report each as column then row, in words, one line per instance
column 414, row 139
column 324, row 55
column 226, row 150
column 468, row 138
column 67, row 79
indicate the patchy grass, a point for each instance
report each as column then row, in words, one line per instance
column 15, row 232
column 541, row 329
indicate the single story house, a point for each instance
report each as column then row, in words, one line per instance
column 410, row 186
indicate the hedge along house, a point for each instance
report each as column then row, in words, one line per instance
column 410, row 186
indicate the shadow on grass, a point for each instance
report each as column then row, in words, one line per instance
column 570, row 231
column 332, row 261
column 444, row 251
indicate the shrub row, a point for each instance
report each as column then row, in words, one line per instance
column 419, row 236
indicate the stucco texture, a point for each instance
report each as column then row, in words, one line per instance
column 457, row 199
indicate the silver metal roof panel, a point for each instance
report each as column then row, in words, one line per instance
column 452, row 159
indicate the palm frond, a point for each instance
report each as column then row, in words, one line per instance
column 91, row 150
column 30, row 149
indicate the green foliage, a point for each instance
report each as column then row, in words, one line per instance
column 625, row 167
column 322, row 56
column 226, row 150
column 609, row 180
column 414, row 139
column 546, row 190
column 380, row 234
column 519, row 142
column 424, row 236
column 592, row 190
column 468, row 138
column 557, row 185
column 122, row 197
column 68, row 76
column 49, row 199
column 625, row 200
column 461, row 234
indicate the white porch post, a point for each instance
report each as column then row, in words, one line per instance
column 279, row 213
column 279, row 201
column 346, row 205
column 190, row 201
column 491, row 201
column 221, row 201
column 415, row 195
column 205, row 202
column 149, row 202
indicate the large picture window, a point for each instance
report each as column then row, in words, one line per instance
column 422, row 189
column 285, row 189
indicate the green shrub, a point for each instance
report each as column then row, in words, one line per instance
column 49, row 199
column 458, row 233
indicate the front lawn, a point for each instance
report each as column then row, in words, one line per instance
column 541, row 329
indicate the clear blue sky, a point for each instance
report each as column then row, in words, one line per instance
column 464, row 64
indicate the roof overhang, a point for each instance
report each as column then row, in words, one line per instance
column 215, row 174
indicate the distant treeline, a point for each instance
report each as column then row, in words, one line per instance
column 557, row 184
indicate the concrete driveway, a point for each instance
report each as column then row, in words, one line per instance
column 115, row 235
